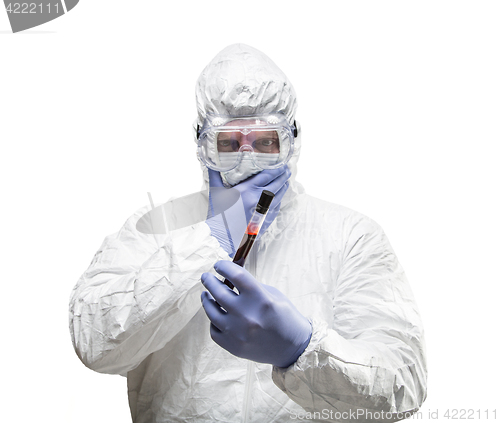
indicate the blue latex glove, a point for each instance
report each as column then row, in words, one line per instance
column 275, row 180
column 259, row 324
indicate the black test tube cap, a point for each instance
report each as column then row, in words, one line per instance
column 265, row 201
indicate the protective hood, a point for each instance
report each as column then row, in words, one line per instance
column 242, row 81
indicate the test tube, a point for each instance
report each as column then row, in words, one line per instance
column 252, row 230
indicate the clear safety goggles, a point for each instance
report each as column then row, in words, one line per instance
column 224, row 141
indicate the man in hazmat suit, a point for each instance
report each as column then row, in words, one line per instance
column 323, row 325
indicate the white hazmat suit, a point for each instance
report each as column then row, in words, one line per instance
column 136, row 311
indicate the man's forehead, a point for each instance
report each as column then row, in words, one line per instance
column 258, row 133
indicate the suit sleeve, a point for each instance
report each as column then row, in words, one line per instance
column 367, row 363
column 139, row 291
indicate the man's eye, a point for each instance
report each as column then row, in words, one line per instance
column 267, row 143
column 224, row 143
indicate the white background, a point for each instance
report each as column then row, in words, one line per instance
column 399, row 104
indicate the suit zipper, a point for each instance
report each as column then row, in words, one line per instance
column 248, row 391
column 252, row 268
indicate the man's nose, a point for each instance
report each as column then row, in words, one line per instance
column 245, row 142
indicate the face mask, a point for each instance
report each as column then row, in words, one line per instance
column 246, row 168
